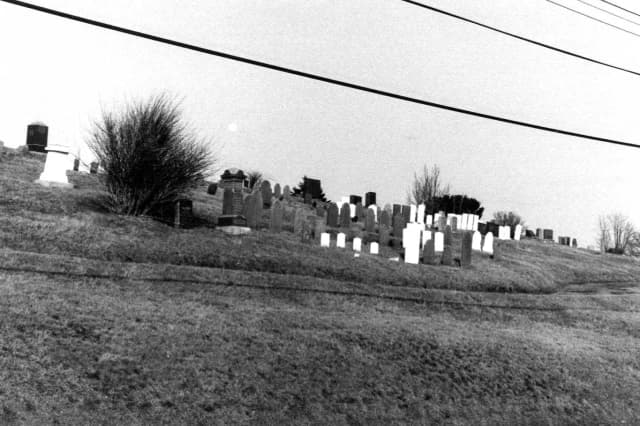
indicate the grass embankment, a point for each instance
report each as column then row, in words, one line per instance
column 68, row 222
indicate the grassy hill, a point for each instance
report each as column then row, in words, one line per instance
column 108, row 319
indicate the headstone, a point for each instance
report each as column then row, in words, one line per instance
column 482, row 227
column 355, row 199
column 426, row 236
column 574, row 243
column 384, row 218
column 237, row 203
column 374, row 248
column 277, row 213
column 442, row 223
column 413, row 213
column 212, row 189
column 307, row 198
column 357, row 244
column 252, row 211
column 320, row 210
column 345, row 216
column 76, row 167
column 298, row 221
column 37, row 135
column 267, row 194
column 360, row 212
column 227, row 201
column 370, row 221
column 93, row 167
column 325, row 240
column 397, row 209
column 369, row 199
column 406, row 213
column 465, row 222
column 448, row 236
column 341, row 240
column 398, row 226
column 517, row 233
column 277, row 192
column 353, row 211
column 429, row 253
column 438, row 239
column 286, row 192
column 420, row 217
column 447, row 256
column 55, row 167
column 385, row 235
column 429, row 220
column 411, row 243
column 466, row 252
column 476, row 243
column 539, row 234
column 454, row 223
column 487, row 247
column 332, row 215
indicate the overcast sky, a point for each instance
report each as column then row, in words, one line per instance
column 63, row 73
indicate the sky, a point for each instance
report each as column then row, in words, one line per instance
column 65, row 73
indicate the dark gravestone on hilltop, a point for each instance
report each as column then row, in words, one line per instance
column 37, row 134
column 574, row 243
column 466, row 252
column 454, row 223
column 369, row 199
column 398, row 226
column 93, row 167
column 227, row 202
column 370, row 221
column 345, row 216
column 76, row 165
column 448, row 236
column 332, row 215
column 406, row 213
column 212, row 189
column 429, row 252
column 277, row 192
column 286, row 192
column 265, row 189
column 384, row 218
column 355, row 199
column 312, row 187
column 360, row 212
column 276, row 216
column 447, row 256
column 251, row 211
column 539, row 234
column 385, row 236
column 298, row 221
column 548, row 234
column 397, row 209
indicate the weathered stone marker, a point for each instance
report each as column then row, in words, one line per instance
column 385, row 236
column 325, row 240
column 357, row 244
column 286, row 193
column 517, row 233
column 398, row 225
column 466, row 252
column 332, row 215
column 439, row 241
column 277, row 213
column 476, row 243
column 384, row 218
column 429, row 253
column 252, row 210
column 374, row 248
column 448, row 236
column 411, row 243
column 341, row 240
column 420, row 217
column 277, row 192
column 360, row 212
column 454, row 223
column 345, row 216
column 370, row 221
column 267, row 194
column 487, row 247
column 298, row 221
column 447, row 256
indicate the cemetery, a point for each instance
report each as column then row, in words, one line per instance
column 283, row 301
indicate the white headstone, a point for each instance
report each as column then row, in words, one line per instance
column 436, row 216
column 426, row 236
column 413, row 212
column 325, row 239
column 374, row 248
column 357, row 244
column 411, row 243
column 476, row 242
column 341, row 240
column 352, row 208
column 420, row 218
column 56, row 166
column 488, row 243
column 375, row 212
column 438, row 241
column 517, row 233
column 474, row 223
column 465, row 221
column 429, row 220
column 449, row 217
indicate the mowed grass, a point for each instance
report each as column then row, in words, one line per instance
column 49, row 221
column 116, row 320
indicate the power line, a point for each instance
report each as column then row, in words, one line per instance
column 609, row 12
column 590, row 17
column 310, row 75
column 521, row 38
column 620, row 7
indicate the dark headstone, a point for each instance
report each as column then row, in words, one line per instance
column 454, row 223
column 370, row 221
column 360, row 212
column 447, row 256
column 345, row 216
column 252, row 211
column 466, row 252
column 429, row 252
column 406, row 213
column 178, row 213
column 277, row 192
column 313, row 187
column 397, row 209
column 548, row 234
column 37, row 135
column 212, row 189
column 265, row 189
column 76, row 165
column 384, row 218
column 539, row 234
column 442, row 223
column 320, row 212
column 494, row 228
column 482, row 228
column 369, row 199
column 528, row 233
column 385, row 236
column 448, row 236
column 227, row 202
column 277, row 212
column 332, row 215
column 355, row 199
column 286, row 192
column 398, row 225
column 574, row 243
column 93, row 167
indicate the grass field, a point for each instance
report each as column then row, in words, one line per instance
column 108, row 319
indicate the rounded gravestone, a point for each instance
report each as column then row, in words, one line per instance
column 251, row 211
column 211, row 189
column 385, row 236
column 448, row 236
column 265, row 190
column 370, row 221
column 429, row 252
column 286, row 192
column 345, row 216
column 466, row 252
column 258, row 207
column 277, row 192
column 276, row 216
column 360, row 212
column 332, row 215
column 385, row 218
column 447, row 256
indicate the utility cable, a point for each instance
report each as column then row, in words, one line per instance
column 608, row 12
column 315, row 77
column 590, row 17
column 620, row 7
column 521, row 38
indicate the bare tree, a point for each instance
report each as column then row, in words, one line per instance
column 255, row 179
column 427, row 186
column 508, row 218
column 617, row 234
